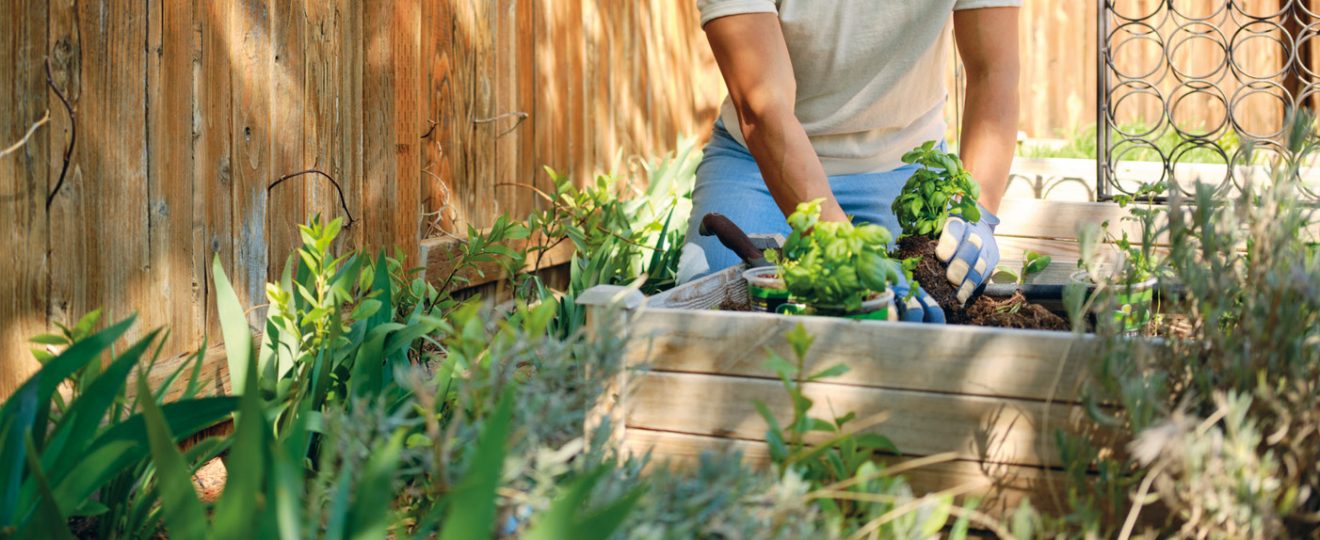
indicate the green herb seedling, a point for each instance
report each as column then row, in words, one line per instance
column 835, row 264
column 1032, row 263
column 939, row 189
column 846, row 449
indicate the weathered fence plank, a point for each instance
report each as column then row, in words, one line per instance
column 23, row 185
column 288, row 202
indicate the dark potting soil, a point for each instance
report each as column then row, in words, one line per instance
column 930, row 274
column 1014, row 312
column 984, row 310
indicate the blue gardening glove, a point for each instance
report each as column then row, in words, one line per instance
column 970, row 251
column 920, row 308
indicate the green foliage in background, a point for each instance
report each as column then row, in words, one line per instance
column 620, row 232
column 1081, row 144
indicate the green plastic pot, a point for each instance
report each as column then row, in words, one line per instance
column 1135, row 300
column 766, row 291
column 875, row 309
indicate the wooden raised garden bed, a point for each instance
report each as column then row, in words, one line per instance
column 987, row 401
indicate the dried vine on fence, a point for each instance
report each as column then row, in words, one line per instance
column 73, row 135
column 343, row 202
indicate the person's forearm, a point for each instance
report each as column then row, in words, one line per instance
column 788, row 162
column 989, row 134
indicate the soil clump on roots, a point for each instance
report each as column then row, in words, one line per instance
column 1012, row 312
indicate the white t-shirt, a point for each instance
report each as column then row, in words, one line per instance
column 870, row 73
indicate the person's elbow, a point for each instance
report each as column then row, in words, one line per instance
column 761, row 110
column 998, row 73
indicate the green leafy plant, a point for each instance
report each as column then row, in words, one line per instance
column 845, row 451
column 85, row 454
column 939, row 188
column 1140, row 261
column 835, row 457
column 620, row 232
column 336, row 326
column 835, row 264
column 1236, row 363
column 1033, row 263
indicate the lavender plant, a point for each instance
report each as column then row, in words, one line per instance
column 1223, row 412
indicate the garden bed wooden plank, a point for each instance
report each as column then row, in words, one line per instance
column 439, row 255
column 212, row 379
column 1001, row 487
column 1026, row 364
column 1060, row 220
column 993, row 430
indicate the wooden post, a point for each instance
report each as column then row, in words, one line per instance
column 610, row 301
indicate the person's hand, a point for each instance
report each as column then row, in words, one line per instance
column 970, row 251
column 920, row 308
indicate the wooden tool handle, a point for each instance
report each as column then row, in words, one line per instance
column 733, row 238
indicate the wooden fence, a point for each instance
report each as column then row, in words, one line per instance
column 187, row 111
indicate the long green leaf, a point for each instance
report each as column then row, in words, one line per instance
column 28, row 408
column 54, row 372
column 472, row 512
column 195, row 378
column 182, row 512
column 233, row 326
column 336, row 518
column 370, row 515
column 236, row 511
column 601, row 524
column 380, row 286
column 80, row 423
column 654, row 265
column 558, row 521
column 124, row 445
column 50, row 521
column 193, row 360
column 369, row 364
column 287, row 476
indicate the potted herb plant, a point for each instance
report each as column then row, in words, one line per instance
column 940, row 188
column 837, row 269
column 1133, row 278
column 766, row 291
column 1134, row 272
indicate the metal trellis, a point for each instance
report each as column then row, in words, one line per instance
column 1211, row 83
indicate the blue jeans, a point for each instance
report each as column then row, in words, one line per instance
column 729, row 182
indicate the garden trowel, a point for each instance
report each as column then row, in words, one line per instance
column 750, row 250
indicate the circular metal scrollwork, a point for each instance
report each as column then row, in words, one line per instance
column 1202, row 89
